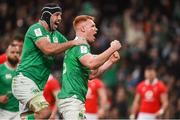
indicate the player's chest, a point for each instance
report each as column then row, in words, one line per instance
column 52, row 38
column 6, row 78
column 149, row 92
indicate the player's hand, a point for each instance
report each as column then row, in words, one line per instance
column 3, row 99
column 116, row 45
column 101, row 113
column 132, row 117
column 114, row 57
column 159, row 113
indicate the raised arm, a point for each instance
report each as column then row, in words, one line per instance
column 93, row 62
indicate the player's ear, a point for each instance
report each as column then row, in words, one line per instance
column 82, row 28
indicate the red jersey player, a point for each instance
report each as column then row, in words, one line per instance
column 51, row 89
column 151, row 97
column 96, row 99
column 3, row 58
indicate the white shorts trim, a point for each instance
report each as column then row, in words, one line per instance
column 91, row 116
column 146, row 116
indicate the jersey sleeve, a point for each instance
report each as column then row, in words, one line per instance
column 138, row 88
column 36, row 32
column 163, row 88
column 81, row 50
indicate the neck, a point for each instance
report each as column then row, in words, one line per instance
column 81, row 36
column 10, row 65
column 151, row 81
column 44, row 24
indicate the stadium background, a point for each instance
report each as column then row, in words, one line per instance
column 148, row 29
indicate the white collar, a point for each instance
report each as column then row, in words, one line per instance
column 9, row 67
column 79, row 38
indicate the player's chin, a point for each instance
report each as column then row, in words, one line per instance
column 55, row 26
column 93, row 38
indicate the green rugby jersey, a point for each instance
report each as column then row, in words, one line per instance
column 75, row 75
column 6, row 75
column 34, row 63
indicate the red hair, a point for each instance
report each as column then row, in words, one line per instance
column 81, row 18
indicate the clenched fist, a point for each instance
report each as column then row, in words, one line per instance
column 116, row 45
column 114, row 57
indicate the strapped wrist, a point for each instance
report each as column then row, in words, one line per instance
column 132, row 116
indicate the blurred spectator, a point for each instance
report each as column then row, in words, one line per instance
column 120, row 103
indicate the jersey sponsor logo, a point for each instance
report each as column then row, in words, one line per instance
column 35, row 91
column 84, row 49
column 38, row 32
column 55, row 40
column 149, row 95
column 8, row 76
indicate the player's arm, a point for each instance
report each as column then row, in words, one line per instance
column 100, row 70
column 164, row 104
column 55, row 48
column 112, row 60
column 92, row 62
column 103, row 102
column 135, row 106
column 55, row 109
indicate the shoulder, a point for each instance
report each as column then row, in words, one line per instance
column 61, row 37
column 83, row 47
column 98, row 81
column 36, row 28
column 161, row 83
column 141, row 84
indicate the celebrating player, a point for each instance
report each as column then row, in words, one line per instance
column 77, row 64
column 41, row 42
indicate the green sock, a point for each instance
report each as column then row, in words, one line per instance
column 30, row 117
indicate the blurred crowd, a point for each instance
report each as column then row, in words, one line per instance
column 149, row 31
